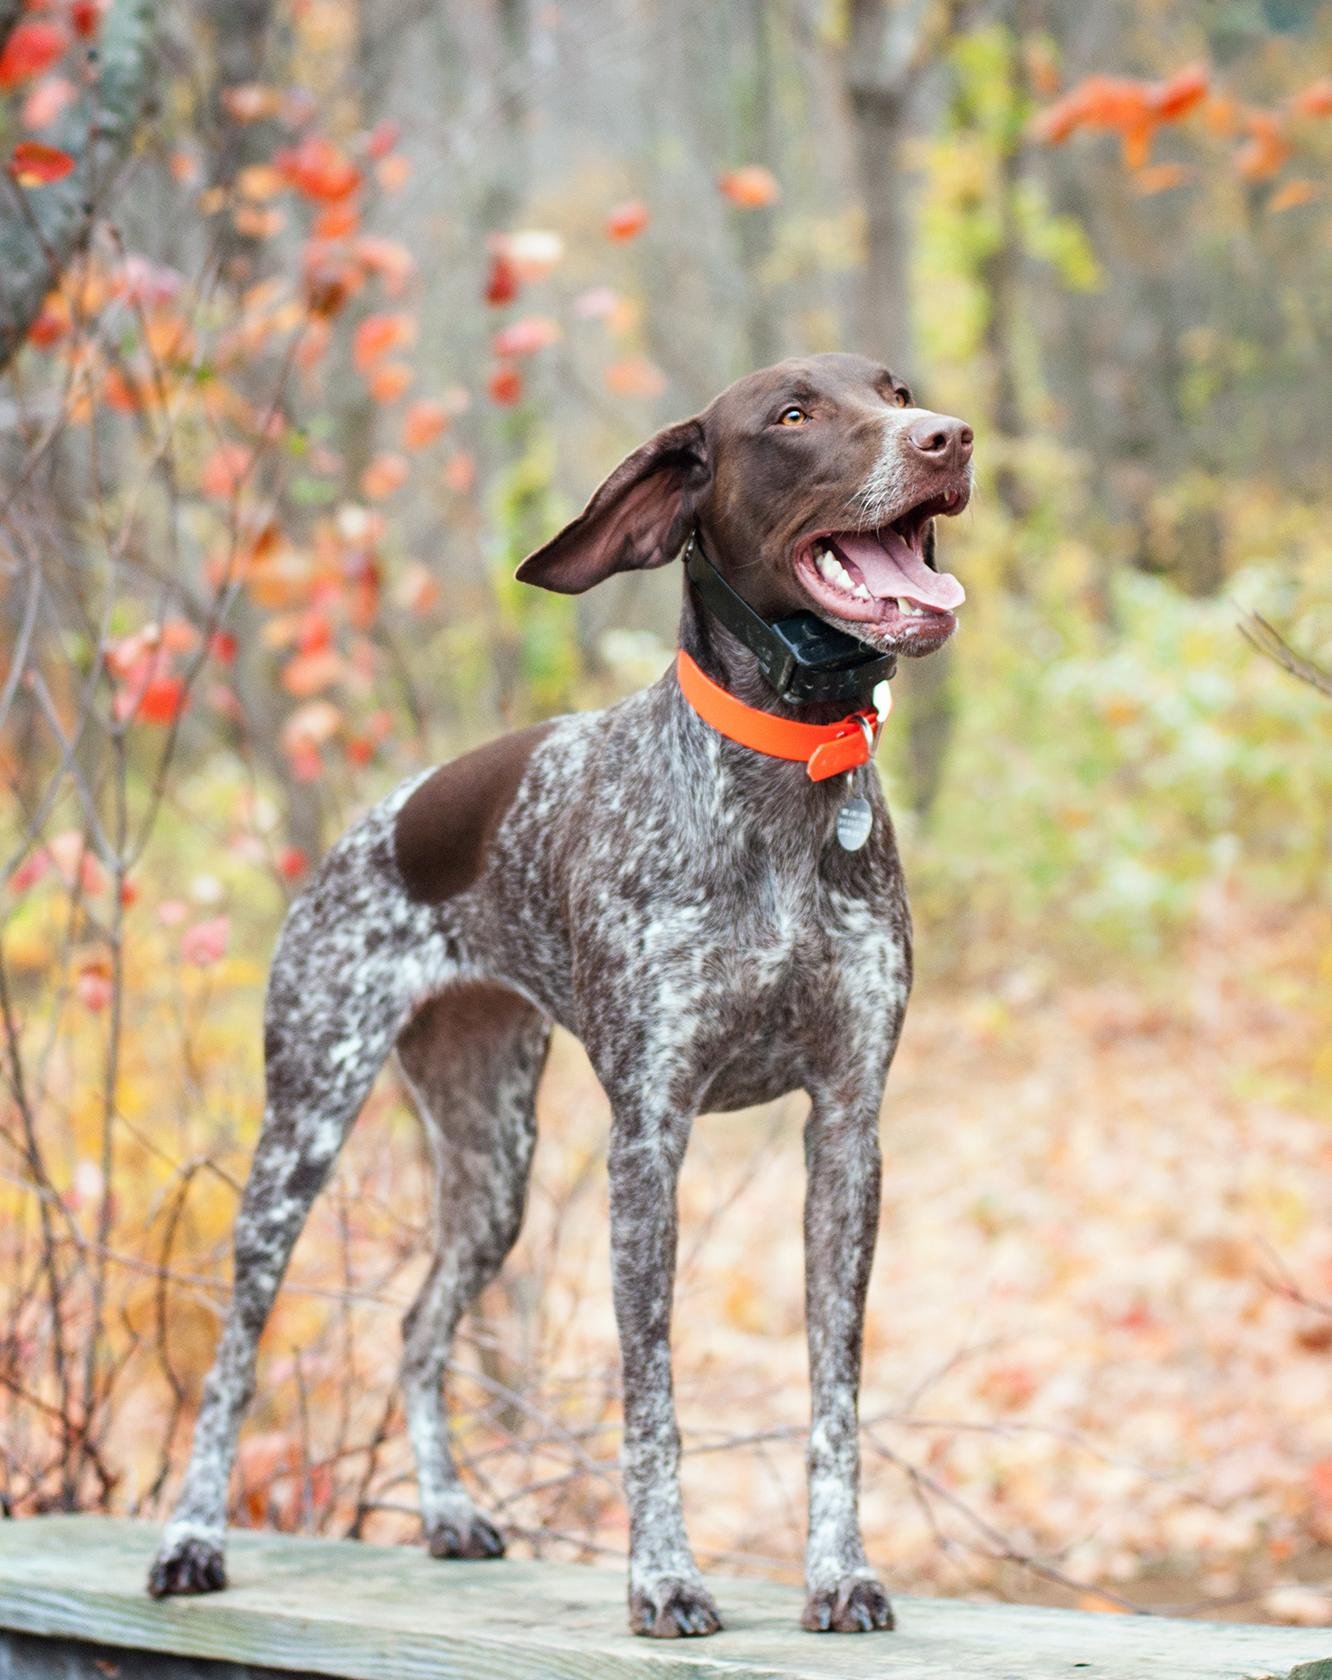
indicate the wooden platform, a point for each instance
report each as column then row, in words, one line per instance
column 331, row 1607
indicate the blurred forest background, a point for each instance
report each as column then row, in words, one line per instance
column 315, row 315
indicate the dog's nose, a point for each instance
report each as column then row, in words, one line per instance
column 943, row 441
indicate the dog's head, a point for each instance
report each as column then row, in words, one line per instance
column 815, row 484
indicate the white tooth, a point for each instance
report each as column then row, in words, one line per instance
column 825, row 563
column 862, row 592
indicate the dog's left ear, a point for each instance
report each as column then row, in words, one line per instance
column 638, row 518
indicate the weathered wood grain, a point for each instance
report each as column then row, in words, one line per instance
column 387, row 1613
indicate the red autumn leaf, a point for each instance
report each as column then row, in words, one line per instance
column 162, row 700
column 223, row 647
column 33, row 47
column 424, row 421
column 383, row 137
column 93, row 986
column 206, row 942
column 1320, row 1480
column 292, row 863
column 377, row 335
column 308, row 673
column 36, row 165
column 86, row 16
column 501, row 280
column 318, row 169
column 47, row 100
column 224, row 471
column 626, row 221
column 505, row 385
column 751, row 186
column 389, row 381
column 336, row 221
column 1174, row 98
column 526, row 336
column 389, row 259
column 385, row 475
column 1315, row 100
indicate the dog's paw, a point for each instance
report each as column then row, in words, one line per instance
column 856, row 1604
column 187, row 1566
column 671, row 1608
column 468, row 1535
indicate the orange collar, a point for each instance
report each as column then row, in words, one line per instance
column 825, row 749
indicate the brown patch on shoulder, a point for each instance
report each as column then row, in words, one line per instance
column 443, row 832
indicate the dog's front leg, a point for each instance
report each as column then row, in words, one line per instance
column 667, row 1598
column 841, row 1222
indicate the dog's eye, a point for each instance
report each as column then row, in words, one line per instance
column 792, row 416
column 901, row 399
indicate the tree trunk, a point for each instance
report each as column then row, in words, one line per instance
column 885, row 50
column 49, row 226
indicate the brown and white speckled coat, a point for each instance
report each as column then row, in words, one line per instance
column 679, row 903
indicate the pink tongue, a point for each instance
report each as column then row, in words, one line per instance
column 892, row 567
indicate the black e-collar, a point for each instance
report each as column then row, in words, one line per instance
column 801, row 656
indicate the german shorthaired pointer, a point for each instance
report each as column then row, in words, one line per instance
column 692, row 884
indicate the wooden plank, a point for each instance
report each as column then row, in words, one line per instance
column 362, row 1612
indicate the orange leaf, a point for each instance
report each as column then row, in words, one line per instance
column 224, row 470
column 1160, row 177
column 308, row 673
column 385, row 475
column 393, row 172
column 34, row 46
column 1291, row 194
column 505, row 384
column 388, row 258
column 626, row 221
column 1174, row 98
column 36, row 165
column 460, row 472
column 162, row 701
column 751, row 186
column 1267, row 148
column 336, row 221
column 389, row 380
column 318, row 169
column 1315, row 100
column 377, row 335
column 424, row 421
column 635, row 376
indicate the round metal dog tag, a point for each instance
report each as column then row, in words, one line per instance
column 854, row 821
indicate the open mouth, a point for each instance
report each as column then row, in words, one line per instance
column 881, row 577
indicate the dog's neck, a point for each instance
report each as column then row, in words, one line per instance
column 721, row 655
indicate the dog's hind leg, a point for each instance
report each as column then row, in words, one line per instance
column 471, row 1058
column 354, row 954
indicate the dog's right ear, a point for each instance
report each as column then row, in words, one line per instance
column 638, row 518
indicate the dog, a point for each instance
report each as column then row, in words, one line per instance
column 701, row 884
